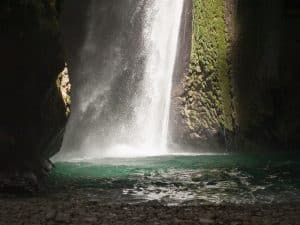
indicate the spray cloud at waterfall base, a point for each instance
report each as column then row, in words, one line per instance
column 123, row 83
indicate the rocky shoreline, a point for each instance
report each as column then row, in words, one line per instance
column 37, row 210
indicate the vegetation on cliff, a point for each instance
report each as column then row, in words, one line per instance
column 243, row 74
column 207, row 103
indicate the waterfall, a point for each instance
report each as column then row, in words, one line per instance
column 122, row 85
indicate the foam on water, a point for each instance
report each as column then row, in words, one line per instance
column 200, row 179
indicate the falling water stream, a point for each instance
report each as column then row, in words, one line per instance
column 124, row 80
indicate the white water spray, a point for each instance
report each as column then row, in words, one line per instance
column 124, row 103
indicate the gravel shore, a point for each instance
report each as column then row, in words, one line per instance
column 35, row 211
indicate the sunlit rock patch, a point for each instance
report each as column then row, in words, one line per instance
column 64, row 85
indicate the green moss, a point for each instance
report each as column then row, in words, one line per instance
column 209, row 72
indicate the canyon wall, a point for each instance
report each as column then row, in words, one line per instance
column 241, row 89
column 266, row 79
column 32, row 115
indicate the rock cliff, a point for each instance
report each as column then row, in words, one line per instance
column 32, row 116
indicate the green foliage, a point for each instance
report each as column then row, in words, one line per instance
column 207, row 100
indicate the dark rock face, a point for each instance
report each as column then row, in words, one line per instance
column 32, row 116
column 74, row 30
column 266, row 74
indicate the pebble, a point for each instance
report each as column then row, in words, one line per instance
column 91, row 220
column 62, row 217
column 82, row 212
column 50, row 214
column 206, row 221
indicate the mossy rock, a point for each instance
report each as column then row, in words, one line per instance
column 208, row 82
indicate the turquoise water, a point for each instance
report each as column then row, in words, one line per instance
column 201, row 179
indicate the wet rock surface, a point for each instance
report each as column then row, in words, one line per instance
column 77, row 210
column 26, row 178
